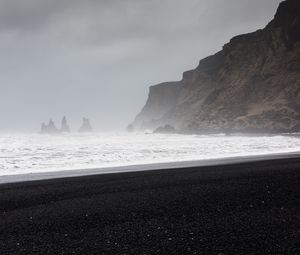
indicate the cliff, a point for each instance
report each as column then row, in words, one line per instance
column 251, row 85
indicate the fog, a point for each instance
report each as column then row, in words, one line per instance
column 97, row 58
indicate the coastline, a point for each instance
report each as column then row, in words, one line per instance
column 240, row 208
column 17, row 178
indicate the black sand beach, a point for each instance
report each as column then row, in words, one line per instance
column 247, row 208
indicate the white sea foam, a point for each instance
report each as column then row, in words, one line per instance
column 25, row 153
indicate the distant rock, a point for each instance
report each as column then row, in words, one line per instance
column 65, row 128
column 251, row 85
column 130, row 128
column 86, row 126
column 43, row 128
column 167, row 129
column 50, row 128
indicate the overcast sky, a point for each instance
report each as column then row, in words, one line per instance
column 97, row 58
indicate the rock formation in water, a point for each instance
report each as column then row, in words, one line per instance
column 167, row 129
column 130, row 128
column 50, row 128
column 65, row 128
column 251, row 85
column 43, row 128
column 86, row 126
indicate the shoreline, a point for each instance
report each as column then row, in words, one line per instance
column 17, row 178
column 240, row 208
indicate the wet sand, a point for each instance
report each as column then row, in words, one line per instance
column 242, row 208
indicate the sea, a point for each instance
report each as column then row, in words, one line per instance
column 37, row 153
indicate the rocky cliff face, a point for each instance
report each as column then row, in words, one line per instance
column 252, row 85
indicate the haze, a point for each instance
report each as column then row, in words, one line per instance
column 98, row 58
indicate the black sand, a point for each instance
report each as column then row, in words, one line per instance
column 249, row 208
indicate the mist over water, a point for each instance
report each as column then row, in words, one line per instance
column 35, row 153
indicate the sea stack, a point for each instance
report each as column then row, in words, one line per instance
column 86, row 126
column 50, row 128
column 43, row 128
column 65, row 128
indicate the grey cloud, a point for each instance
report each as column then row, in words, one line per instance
column 26, row 15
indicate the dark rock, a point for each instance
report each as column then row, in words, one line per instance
column 43, row 128
column 86, row 126
column 167, row 129
column 130, row 128
column 252, row 84
column 50, row 128
column 65, row 128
